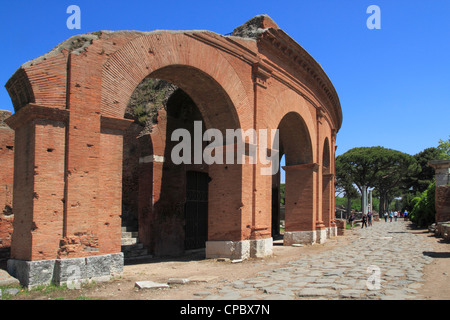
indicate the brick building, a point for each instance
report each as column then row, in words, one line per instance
column 6, row 184
column 78, row 155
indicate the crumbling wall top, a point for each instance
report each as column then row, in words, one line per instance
column 4, row 114
column 254, row 27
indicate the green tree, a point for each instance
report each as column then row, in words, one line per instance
column 389, row 171
column 394, row 178
column 344, row 185
column 424, row 211
column 424, row 177
column 444, row 146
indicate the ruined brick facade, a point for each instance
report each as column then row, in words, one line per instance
column 6, row 184
column 70, row 131
column 442, row 197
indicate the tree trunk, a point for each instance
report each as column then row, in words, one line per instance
column 349, row 207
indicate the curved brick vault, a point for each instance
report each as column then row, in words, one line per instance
column 69, row 141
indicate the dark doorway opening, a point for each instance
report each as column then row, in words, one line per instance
column 196, row 210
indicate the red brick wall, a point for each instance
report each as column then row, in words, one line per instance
column 6, row 183
column 442, row 203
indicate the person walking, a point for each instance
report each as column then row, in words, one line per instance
column 351, row 220
column 364, row 221
column 385, row 216
column 391, row 214
column 395, row 216
column 405, row 215
column 369, row 219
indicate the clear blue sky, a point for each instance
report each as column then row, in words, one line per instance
column 393, row 83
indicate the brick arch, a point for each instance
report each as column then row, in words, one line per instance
column 199, row 69
column 326, row 156
column 295, row 139
column 291, row 107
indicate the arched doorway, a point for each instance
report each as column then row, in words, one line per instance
column 327, row 190
column 296, row 148
column 173, row 209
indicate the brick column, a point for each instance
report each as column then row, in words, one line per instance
column 300, row 204
column 229, row 208
column 110, row 176
column 38, row 200
column 327, row 202
column 239, row 220
column 442, row 197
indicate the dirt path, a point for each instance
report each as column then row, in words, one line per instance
column 437, row 273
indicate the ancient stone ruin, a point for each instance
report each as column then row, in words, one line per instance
column 442, row 198
column 93, row 124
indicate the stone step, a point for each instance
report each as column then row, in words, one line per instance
column 130, row 234
column 134, row 250
column 135, row 253
column 129, row 229
column 131, row 247
column 128, row 241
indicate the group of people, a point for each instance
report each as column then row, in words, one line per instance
column 395, row 215
column 367, row 218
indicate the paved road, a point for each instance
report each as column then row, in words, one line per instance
column 384, row 261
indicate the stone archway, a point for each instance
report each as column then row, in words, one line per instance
column 327, row 191
column 295, row 144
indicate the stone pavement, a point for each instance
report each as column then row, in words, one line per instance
column 384, row 261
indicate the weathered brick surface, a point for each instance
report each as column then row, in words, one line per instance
column 70, row 131
column 442, row 203
column 6, row 183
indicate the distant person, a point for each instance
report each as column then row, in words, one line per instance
column 369, row 219
column 391, row 214
column 351, row 220
column 395, row 216
column 385, row 216
column 405, row 215
column 364, row 221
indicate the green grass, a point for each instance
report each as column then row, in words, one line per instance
column 50, row 289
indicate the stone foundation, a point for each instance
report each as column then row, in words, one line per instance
column 341, row 225
column 261, row 248
column 299, row 237
column 239, row 249
column 322, row 235
column 66, row 271
column 332, row 232
column 443, row 230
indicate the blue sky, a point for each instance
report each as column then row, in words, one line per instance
column 393, row 83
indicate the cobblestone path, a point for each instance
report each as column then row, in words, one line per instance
column 384, row 261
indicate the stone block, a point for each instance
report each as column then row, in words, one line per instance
column 65, row 271
column 150, row 285
column 32, row 273
column 228, row 249
column 261, row 248
column 98, row 267
column 68, row 270
column 299, row 237
column 178, row 281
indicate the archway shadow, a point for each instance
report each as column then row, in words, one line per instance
column 436, row 254
column 192, row 255
column 278, row 240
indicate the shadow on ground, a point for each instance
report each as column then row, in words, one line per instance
column 436, row 254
